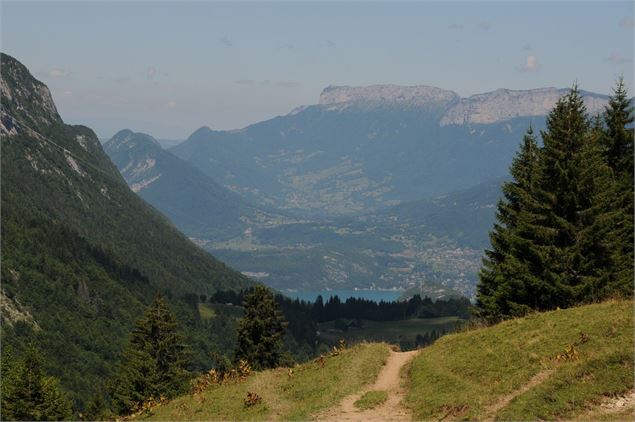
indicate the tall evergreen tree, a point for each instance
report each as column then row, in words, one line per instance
column 260, row 332
column 555, row 242
column 618, row 147
column 503, row 288
column 29, row 395
column 618, row 118
column 154, row 362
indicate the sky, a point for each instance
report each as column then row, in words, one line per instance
column 168, row 68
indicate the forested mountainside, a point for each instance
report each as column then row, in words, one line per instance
column 362, row 149
column 82, row 254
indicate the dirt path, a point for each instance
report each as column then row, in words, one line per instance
column 539, row 378
column 389, row 380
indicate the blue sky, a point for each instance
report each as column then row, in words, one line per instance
column 167, row 68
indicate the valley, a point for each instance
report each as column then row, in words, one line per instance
column 378, row 187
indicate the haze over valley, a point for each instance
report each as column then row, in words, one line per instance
column 379, row 187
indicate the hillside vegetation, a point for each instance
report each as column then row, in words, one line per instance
column 81, row 254
column 285, row 394
column 556, row 365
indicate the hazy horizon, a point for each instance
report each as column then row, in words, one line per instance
column 168, row 68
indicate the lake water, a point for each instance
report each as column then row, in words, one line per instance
column 376, row 295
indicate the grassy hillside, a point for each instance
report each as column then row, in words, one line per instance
column 555, row 365
column 310, row 388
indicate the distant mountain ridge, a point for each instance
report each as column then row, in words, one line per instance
column 362, row 149
column 490, row 107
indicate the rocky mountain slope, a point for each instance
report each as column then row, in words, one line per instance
column 81, row 253
column 196, row 204
column 362, row 149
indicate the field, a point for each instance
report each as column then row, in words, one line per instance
column 565, row 364
column 286, row 395
column 402, row 332
column 210, row 310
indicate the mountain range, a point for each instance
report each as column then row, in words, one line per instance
column 382, row 186
column 361, row 149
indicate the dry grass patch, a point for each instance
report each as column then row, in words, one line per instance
column 283, row 394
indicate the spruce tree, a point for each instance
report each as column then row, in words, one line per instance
column 618, row 146
column 504, row 288
column 260, row 332
column 555, row 243
column 154, row 362
column 29, row 395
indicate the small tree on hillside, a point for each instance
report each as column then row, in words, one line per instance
column 27, row 394
column 260, row 332
column 154, row 362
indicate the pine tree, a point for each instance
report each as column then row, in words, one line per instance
column 260, row 332
column 503, row 289
column 154, row 361
column 27, row 394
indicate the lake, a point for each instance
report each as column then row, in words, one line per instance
column 376, row 295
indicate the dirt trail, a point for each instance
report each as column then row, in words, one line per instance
column 539, row 378
column 388, row 380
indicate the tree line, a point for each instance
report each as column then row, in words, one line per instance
column 359, row 308
column 564, row 229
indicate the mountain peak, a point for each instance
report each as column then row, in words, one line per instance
column 504, row 104
column 385, row 94
column 24, row 97
column 127, row 139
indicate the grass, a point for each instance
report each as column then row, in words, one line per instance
column 310, row 388
column 587, row 350
column 210, row 310
column 394, row 332
column 206, row 311
column 371, row 399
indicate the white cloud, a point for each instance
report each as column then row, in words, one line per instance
column 530, row 65
column 226, row 41
column 485, row 26
column 288, row 84
column 149, row 73
column 55, row 73
column 617, row 58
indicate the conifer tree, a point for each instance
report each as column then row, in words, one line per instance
column 260, row 332
column 154, row 361
column 29, row 395
column 555, row 243
column 618, row 147
column 577, row 187
column 503, row 289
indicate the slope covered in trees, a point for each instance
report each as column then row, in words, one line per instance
column 81, row 253
column 564, row 233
